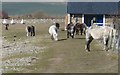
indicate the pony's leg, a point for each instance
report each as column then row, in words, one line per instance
column 68, row 34
column 31, row 33
column 81, row 31
column 27, row 34
column 88, row 41
column 73, row 34
column 84, row 32
column 55, row 37
column 52, row 37
column 77, row 32
column 105, row 41
column 6, row 28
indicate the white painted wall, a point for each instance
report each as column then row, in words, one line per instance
column 103, row 20
column 82, row 18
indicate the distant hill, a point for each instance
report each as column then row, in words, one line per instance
column 20, row 8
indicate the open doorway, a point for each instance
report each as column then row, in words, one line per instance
column 88, row 18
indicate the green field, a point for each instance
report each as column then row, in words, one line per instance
column 63, row 56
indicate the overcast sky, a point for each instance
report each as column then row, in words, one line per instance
column 60, row 0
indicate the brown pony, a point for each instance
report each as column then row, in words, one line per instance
column 70, row 30
column 80, row 28
column 30, row 30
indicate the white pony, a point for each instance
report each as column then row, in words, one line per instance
column 5, row 21
column 22, row 22
column 98, row 32
column 12, row 21
column 53, row 31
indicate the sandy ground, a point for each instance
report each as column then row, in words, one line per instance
column 41, row 54
column 18, row 48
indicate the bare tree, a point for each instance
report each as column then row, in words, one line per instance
column 3, row 15
column 38, row 15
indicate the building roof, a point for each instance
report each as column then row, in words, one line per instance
column 93, row 7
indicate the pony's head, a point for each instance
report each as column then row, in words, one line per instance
column 57, row 25
column 85, row 26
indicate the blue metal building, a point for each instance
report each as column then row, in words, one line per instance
column 88, row 10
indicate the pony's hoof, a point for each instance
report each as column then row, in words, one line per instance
column 107, row 49
column 87, row 50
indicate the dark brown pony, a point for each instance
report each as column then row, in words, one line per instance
column 80, row 28
column 70, row 30
column 6, row 26
column 30, row 30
